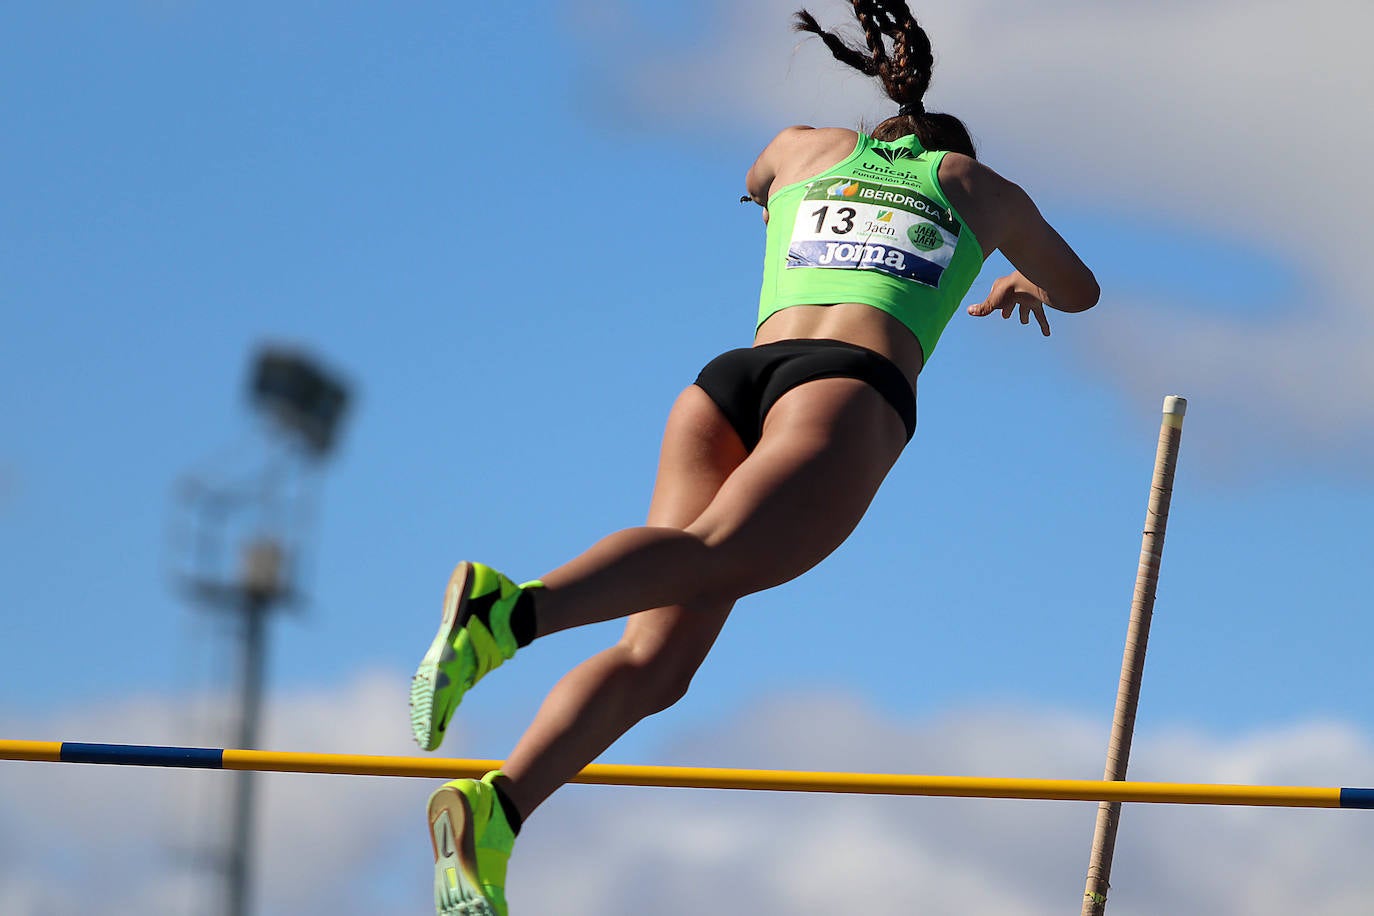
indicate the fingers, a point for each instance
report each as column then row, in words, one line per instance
column 1008, row 297
column 1001, row 288
column 1007, row 302
column 1001, row 298
column 1037, row 309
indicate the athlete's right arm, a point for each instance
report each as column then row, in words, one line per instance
column 1047, row 269
column 759, row 180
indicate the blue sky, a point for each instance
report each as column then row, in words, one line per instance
column 515, row 232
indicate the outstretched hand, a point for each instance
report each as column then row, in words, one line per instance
column 1010, row 293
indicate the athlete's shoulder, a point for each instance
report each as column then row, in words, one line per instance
column 959, row 172
column 803, row 136
column 988, row 202
column 794, row 153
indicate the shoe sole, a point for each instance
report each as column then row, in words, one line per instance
column 450, row 819
column 426, row 680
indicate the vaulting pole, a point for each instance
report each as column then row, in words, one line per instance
column 1133, row 660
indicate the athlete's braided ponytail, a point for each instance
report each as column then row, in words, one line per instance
column 904, row 71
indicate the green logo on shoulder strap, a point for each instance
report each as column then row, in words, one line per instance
column 894, row 153
column 925, row 237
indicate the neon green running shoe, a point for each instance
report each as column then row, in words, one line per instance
column 472, row 845
column 473, row 639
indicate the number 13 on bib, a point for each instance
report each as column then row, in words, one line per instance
column 858, row 225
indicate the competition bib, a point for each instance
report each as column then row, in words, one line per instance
column 850, row 224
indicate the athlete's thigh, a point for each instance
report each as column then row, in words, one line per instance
column 700, row 450
column 826, row 447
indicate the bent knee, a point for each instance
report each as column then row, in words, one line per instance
column 662, row 686
column 662, row 677
column 667, row 692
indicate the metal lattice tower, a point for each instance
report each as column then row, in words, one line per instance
column 245, row 532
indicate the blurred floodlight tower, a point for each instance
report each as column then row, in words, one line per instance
column 241, row 535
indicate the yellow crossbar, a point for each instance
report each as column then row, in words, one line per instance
column 701, row 777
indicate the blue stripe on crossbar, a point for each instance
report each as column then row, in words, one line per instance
column 1357, row 798
column 208, row 758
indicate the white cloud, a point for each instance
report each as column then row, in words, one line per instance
column 684, row 851
column 130, row 834
column 344, row 845
column 1230, row 116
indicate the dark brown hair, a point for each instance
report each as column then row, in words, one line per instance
column 904, row 71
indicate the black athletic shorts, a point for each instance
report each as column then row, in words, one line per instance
column 746, row 383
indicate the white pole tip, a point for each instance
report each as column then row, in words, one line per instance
column 1176, row 405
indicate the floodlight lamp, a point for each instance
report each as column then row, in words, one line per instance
column 299, row 397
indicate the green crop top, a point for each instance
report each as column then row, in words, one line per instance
column 875, row 228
